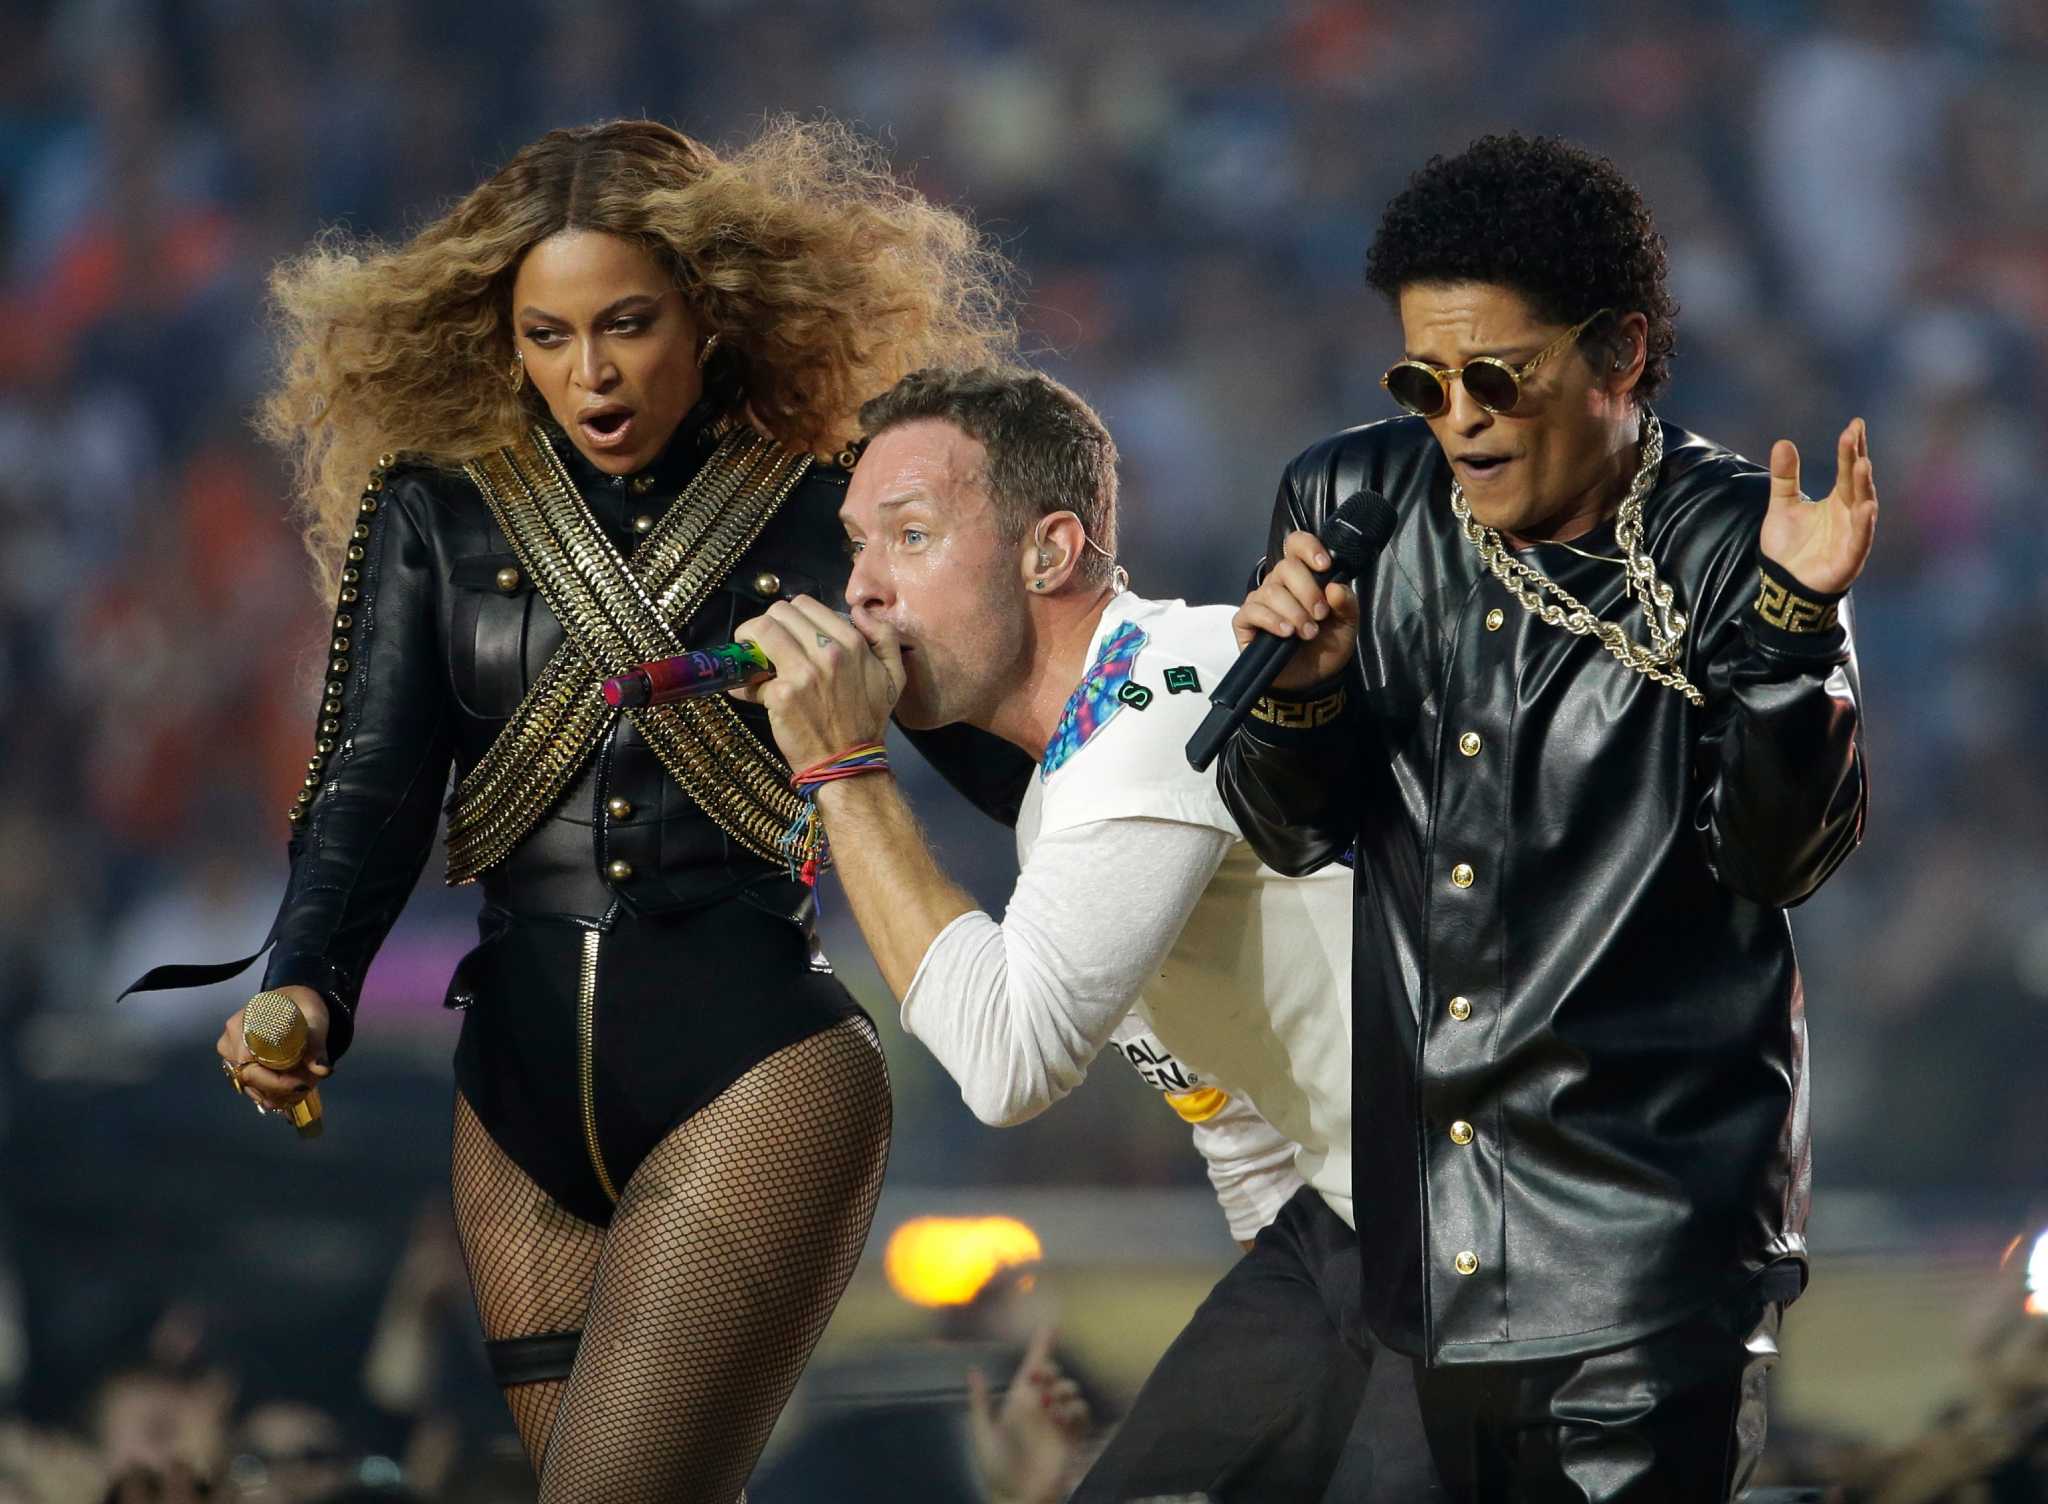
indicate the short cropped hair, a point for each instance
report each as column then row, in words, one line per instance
column 1543, row 218
column 1047, row 450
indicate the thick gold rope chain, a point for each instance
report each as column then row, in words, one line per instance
column 1657, row 660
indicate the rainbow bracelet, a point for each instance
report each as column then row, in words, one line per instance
column 804, row 844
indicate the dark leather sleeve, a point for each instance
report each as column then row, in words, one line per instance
column 987, row 771
column 1780, row 761
column 371, row 822
column 1293, row 793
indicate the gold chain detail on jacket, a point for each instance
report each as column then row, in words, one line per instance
column 1657, row 661
column 616, row 613
column 586, row 1059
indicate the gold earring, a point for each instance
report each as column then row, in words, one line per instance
column 704, row 354
column 518, row 377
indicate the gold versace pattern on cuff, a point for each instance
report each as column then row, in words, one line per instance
column 1298, row 715
column 1789, row 611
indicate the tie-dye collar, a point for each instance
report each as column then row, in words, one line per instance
column 1095, row 703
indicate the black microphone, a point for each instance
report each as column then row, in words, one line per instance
column 1353, row 535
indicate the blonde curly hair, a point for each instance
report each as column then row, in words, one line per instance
column 825, row 277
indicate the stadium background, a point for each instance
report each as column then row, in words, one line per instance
column 1856, row 199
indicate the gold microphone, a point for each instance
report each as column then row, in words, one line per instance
column 275, row 1031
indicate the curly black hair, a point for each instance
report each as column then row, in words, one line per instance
column 1550, row 220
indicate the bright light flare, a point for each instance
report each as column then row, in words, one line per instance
column 2037, row 1277
column 945, row 1261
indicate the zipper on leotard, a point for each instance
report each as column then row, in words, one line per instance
column 586, row 1029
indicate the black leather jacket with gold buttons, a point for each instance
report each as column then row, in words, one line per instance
column 1580, row 1076
column 441, row 634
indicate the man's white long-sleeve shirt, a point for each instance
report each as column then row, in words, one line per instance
column 1139, row 905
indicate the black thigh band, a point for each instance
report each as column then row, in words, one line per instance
column 529, row 1360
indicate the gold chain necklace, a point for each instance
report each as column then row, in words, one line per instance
column 1657, row 660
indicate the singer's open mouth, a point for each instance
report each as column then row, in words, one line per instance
column 1474, row 467
column 1483, row 464
column 606, row 427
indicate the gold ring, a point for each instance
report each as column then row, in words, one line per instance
column 234, row 1074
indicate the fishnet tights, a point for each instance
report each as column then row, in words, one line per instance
column 700, row 1304
column 531, row 1264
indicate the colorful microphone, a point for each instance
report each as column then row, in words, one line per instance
column 705, row 672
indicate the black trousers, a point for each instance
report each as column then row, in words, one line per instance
column 1275, row 1392
column 1675, row 1419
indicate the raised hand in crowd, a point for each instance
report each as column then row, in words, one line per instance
column 1028, row 1447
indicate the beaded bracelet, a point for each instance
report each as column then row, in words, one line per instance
column 805, row 833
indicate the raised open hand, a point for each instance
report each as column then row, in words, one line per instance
column 1823, row 544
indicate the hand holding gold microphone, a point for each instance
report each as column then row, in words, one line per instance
column 274, row 1052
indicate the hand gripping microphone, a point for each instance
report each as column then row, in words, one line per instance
column 1353, row 535
column 275, row 1031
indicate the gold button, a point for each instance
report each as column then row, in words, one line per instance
column 340, row 645
column 1461, row 1008
column 343, row 622
column 508, row 578
column 368, row 506
column 355, row 553
column 640, row 485
column 767, row 582
column 348, row 597
column 1469, row 744
column 619, row 809
column 619, row 871
column 1466, row 1262
column 1495, row 618
column 1461, row 1132
column 1461, row 876
column 643, row 523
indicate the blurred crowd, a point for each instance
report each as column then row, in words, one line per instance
column 1856, row 197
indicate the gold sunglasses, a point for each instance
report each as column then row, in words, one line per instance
column 1425, row 390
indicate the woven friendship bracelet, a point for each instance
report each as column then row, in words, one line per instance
column 872, row 758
